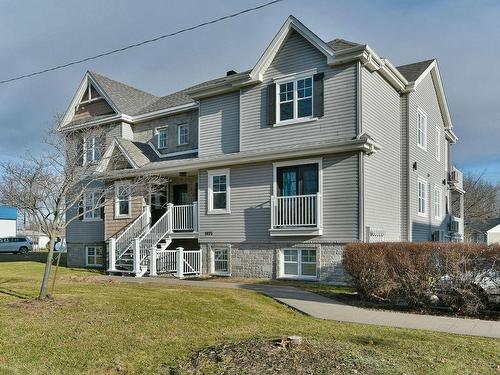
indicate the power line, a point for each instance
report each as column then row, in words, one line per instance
column 130, row 46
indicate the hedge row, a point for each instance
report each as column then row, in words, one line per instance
column 456, row 275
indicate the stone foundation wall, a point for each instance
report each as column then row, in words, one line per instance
column 76, row 254
column 264, row 260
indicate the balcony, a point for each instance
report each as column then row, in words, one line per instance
column 296, row 215
column 457, row 228
column 456, row 179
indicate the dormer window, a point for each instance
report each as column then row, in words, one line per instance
column 162, row 138
column 295, row 99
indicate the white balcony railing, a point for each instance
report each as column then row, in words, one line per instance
column 185, row 217
column 296, row 211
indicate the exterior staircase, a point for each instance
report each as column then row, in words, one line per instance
column 142, row 248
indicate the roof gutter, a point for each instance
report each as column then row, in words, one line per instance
column 364, row 144
column 134, row 119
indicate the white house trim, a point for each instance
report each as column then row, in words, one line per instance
column 171, row 154
column 271, row 51
column 117, row 214
column 70, row 112
column 244, row 157
column 211, row 174
column 103, row 164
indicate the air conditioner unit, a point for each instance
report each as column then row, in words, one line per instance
column 438, row 236
column 454, row 226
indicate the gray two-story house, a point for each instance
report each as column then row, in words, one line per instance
column 270, row 171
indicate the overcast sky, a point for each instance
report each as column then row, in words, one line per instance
column 463, row 35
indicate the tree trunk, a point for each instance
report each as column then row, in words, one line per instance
column 46, row 276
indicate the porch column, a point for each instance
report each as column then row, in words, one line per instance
column 112, row 254
column 136, row 255
column 152, row 262
column 180, row 263
column 195, row 216
column 170, row 210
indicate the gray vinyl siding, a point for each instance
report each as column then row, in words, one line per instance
column 251, row 190
column 113, row 131
column 427, row 166
column 381, row 120
column 80, row 231
column 220, row 124
column 146, row 131
column 339, row 120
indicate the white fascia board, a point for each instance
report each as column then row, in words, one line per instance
column 373, row 62
column 433, row 69
column 272, row 49
column 70, row 112
column 78, row 96
column 135, row 119
column 103, row 164
column 174, row 166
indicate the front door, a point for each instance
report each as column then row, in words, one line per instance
column 181, row 194
column 158, row 205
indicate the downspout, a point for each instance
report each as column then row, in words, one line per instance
column 361, row 167
column 409, row 229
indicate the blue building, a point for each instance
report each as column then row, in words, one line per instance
column 8, row 220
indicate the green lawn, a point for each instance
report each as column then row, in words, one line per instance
column 95, row 327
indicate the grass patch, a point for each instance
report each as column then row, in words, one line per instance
column 94, row 327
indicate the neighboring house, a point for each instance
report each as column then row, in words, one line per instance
column 483, row 231
column 8, row 221
column 493, row 235
column 40, row 239
column 272, row 170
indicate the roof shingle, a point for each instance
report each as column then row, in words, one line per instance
column 412, row 71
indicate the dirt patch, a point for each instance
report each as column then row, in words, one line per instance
column 86, row 279
column 36, row 306
column 271, row 357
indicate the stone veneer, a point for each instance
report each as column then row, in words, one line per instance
column 262, row 260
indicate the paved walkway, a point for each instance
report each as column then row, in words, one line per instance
column 326, row 308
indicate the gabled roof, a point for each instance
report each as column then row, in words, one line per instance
column 127, row 99
column 340, row 44
column 290, row 24
column 413, row 71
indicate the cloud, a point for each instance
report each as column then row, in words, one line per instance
column 463, row 35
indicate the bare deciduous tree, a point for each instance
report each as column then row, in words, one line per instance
column 50, row 185
column 480, row 200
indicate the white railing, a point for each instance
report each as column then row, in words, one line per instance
column 296, row 211
column 166, row 261
column 192, row 262
column 144, row 244
column 179, row 261
column 185, row 217
column 119, row 246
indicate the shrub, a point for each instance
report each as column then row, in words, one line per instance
column 412, row 272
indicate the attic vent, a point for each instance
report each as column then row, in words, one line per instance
column 230, row 73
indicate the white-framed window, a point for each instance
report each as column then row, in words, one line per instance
column 94, row 256
column 91, row 149
column 182, row 134
column 299, row 263
column 421, row 129
column 218, row 191
column 294, row 98
column 91, row 211
column 438, row 143
column 220, row 260
column 123, row 202
column 162, row 134
column 422, row 197
column 437, row 202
